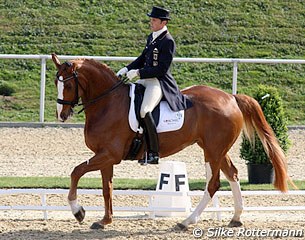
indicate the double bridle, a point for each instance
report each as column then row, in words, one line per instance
column 75, row 102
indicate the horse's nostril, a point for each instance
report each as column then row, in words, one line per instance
column 63, row 117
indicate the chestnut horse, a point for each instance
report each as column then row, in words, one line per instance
column 214, row 122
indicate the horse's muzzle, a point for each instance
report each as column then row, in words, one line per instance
column 64, row 115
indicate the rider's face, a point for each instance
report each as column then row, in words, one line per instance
column 156, row 24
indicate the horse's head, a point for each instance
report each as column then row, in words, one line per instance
column 67, row 86
column 82, row 78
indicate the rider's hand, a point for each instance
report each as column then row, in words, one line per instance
column 122, row 71
column 133, row 73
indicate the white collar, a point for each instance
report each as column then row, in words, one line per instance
column 158, row 33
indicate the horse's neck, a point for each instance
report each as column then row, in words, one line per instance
column 108, row 104
column 97, row 83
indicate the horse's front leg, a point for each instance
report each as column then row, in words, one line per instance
column 99, row 161
column 107, row 175
column 77, row 210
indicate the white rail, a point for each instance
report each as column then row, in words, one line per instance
column 44, row 207
column 234, row 61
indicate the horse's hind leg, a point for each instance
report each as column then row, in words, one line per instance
column 231, row 174
column 212, row 185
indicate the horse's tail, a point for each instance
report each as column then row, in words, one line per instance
column 254, row 120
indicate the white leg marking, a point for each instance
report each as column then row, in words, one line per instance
column 238, row 201
column 74, row 206
column 60, row 89
column 194, row 217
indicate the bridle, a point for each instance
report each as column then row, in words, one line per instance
column 75, row 78
column 75, row 102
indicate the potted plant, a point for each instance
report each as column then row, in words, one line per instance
column 260, row 169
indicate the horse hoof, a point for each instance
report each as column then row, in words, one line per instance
column 234, row 223
column 80, row 215
column 97, row 225
column 180, row 227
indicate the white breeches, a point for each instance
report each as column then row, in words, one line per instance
column 152, row 95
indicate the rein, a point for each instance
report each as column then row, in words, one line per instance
column 75, row 102
column 108, row 91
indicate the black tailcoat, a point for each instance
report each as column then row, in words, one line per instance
column 155, row 61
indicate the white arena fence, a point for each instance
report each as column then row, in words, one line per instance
column 235, row 61
column 216, row 209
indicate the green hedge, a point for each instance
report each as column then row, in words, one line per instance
column 6, row 89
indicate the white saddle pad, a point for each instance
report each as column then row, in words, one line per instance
column 169, row 120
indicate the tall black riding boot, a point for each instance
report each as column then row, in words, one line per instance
column 152, row 141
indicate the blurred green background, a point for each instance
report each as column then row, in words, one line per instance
column 207, row 29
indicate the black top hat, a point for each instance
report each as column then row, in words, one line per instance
column 158, row 12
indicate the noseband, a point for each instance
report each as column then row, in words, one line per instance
column 76, row 98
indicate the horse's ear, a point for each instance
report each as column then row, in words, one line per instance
column 74, row 66
column 56, row 60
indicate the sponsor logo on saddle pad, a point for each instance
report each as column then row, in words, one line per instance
column 169, row 120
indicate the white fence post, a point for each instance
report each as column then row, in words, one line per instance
column 42, row 89
column 44, row 204
column 234, row 81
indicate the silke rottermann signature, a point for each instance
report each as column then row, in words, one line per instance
column 243, row 232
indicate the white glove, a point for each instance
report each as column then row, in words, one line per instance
column 132, row 74
column 122, row 71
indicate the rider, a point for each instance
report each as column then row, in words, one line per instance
column 153, row 69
